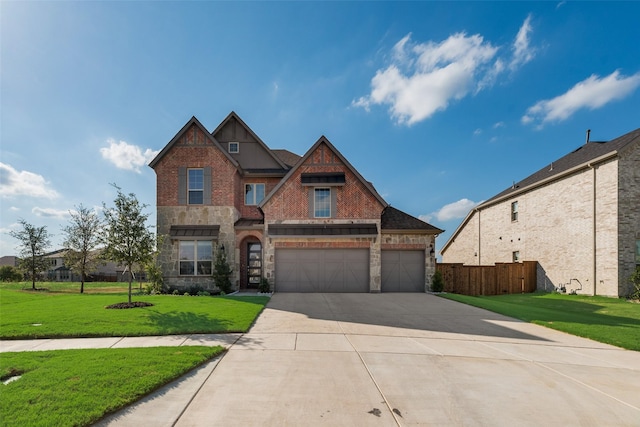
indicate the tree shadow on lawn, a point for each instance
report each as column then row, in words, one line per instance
column 184, row 322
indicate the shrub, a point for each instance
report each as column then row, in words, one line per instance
column 635, row 284
column 154, row 275
column 222, row 272
column 9, row 273
column 437, row 284
column 264, row 286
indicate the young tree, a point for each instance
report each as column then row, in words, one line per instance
column 126, row 237
column 82, row 237
column 34, row 241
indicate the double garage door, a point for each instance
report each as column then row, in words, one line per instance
column 346, row 270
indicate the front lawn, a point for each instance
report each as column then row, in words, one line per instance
column 608, row 320
column 78, row 387
column 27, row 315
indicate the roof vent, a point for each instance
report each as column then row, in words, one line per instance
column 588, row 135
column 551, row 167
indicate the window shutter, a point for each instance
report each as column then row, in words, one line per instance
column 312, row 193
column 207, row 185
column 333, row 202
column 182, row 186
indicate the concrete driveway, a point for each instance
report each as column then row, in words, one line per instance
column 410, row 359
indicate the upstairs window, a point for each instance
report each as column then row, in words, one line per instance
column 322, row 203
column 234, row 147
column 253, row 194
column 516, row 256
column 195, row 186
column 514, row 211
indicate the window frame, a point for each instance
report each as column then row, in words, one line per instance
column 321, row 209
column 514, row 211
column 195, row 190
column 515, row 256
column 234, row 144
column 201, row 264
column 254, row 186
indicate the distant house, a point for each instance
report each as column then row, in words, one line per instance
column 103, row 272
column 9, row 260
column 579, row 217
column 306, row 223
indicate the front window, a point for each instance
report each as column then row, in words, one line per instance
column 196, row 186
column 253, row 194
column 514, row 211
column 196, row 257
column 322, row 203
column 638, row 252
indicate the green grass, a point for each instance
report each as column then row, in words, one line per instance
column 28, row 315
column 73, row 287
column 78, row 387
column 607, row 320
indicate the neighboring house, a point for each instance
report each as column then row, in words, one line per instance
column 306, row 224
column 103, row 272
column 9, row 260
column 579, row 217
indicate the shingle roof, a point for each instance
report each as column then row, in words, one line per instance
column 394, row 219
column 286, row 156
column 581, row 156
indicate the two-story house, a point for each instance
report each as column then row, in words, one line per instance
column 306, row 223
column 579, row 217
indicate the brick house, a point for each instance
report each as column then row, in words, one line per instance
column 306, row 223
column 579, row 217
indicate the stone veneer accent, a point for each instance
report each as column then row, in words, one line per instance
column 224, row 216
column 426, row 242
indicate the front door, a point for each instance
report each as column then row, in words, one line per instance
column 254, row 265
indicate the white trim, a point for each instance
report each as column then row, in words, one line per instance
column 236, row 145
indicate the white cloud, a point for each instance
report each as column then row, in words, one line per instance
column 455, row 210
column 424, row 78
column 24, row 183
column 50, row 213
column 126, row 156
column 499, row 125
column 522, row 51
column 592, row 93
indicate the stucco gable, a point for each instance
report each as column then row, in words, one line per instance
column 252, row 153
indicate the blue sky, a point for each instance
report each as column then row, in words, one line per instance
column 441, row 105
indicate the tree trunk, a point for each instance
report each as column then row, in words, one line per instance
column 130, row 280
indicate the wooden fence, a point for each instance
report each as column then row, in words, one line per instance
column 498, row 279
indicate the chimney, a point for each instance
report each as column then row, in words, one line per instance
column 588, row 134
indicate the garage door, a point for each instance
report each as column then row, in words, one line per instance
column 402, row 271
column 322, row 270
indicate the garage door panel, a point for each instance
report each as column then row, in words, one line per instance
column 322, row 270
column 403, row 271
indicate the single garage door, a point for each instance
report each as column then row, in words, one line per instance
column 322, row 270
column 402, row 271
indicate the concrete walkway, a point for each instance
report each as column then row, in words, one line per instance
column 395, row 360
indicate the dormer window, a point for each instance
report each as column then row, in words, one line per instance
column 234, row 147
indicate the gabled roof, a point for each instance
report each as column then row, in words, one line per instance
column 179, row 135
column 324, row 140
column 583, row 157
column 395, row 219
column 233, row 115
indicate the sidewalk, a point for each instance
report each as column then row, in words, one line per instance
column 209, row 340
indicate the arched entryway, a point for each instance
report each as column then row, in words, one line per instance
column 251, row 266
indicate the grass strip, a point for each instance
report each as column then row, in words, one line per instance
column 78, row 387
column 607, row 320
column 29, row 315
